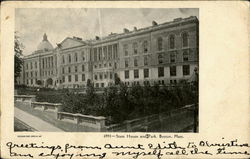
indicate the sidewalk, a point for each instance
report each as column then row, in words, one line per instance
column 35, row 122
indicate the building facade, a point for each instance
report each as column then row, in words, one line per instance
column 162, row 53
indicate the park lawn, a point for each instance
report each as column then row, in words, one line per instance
column 50, row 117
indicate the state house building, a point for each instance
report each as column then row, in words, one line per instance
column 163, row 53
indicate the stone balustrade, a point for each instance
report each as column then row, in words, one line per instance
column 96, row 122
column 24, row 99
column 44, row 106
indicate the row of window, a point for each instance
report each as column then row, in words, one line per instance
column 160, row 59
column 185, row 71
column 32, row 81
column 76, row 69
column 145, row 46
column 47, row 62
column 76, row 78
column 135, row 48
column 74, row 56
column 105, row 65
column 102, row 76
column 160, row 82
column 105, row 52
column 31, row 74
column 172, row 41
column 32, row 65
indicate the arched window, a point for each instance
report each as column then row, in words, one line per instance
column 145, row 46
column 172, row 41
column 184, row 38
column 159, row 43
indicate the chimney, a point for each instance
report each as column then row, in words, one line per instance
column 125, row 30
column 97, row 37
column 135, row 29
column 154, row 23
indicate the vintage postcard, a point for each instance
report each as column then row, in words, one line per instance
column 125, row 80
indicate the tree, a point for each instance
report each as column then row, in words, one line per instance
column 18, row 48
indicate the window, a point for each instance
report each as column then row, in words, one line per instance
column 63, row 79
column 110, row 64
column 27, row 74
column 83, row 77
column 75, row 68
column 35, row 64
column 146, row 73
column 83, row 56
column 52, row 62
column 159, row 43
column 115, row 51
column 100, row 76
column 105, row 52
column 172, row 41
column 184, row 38
column 27, row 66
column 76, row 57
column 111, row 76
column 136, row 73
column 160, row 71
column 172, row 57
column 100, row 53
column 95, row 54
column 145, row 46
column 135, row 62
column 63, row 60
column 126, row 73
column 31, row 74
column 135, row 48
column 125, row 49
column 69, row 69
column 36, row 74
column 145, row 60
column 172, row 70
column 69, row 58
column 102, row 84
column 186, row 69
column 97, row 85
column 69, row 78
column 100, row 65
column 83, row 68
column 31, row 65
column 185, row 55
column 76, row 78
column 62, row 70
column 105, row 76
column 126, row 62
column 160, row 58
column 110, row 52
column 95, row 77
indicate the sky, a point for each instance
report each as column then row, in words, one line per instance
column 86, row 23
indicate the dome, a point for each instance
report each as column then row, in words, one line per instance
column 45, row 45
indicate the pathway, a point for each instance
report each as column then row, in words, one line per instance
column 34, row 121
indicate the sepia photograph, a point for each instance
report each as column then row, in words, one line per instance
column 106, row 70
